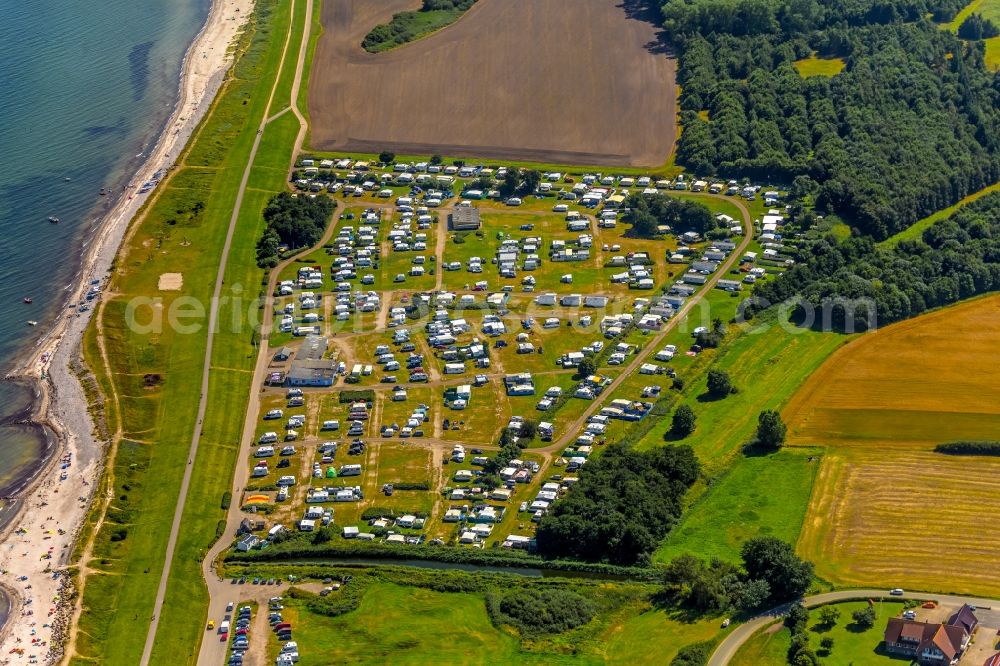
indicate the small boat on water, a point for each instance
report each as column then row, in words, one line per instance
column 27, row 299
column 103, row 191
column 32, row 322
column 53, row 219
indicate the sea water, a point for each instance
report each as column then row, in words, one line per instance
column 85, row 89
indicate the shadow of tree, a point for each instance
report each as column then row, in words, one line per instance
column 648, row 11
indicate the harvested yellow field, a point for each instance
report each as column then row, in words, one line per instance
column 928, row 380
column 916, row 519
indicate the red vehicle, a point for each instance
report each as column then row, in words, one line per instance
column 282, row 626
column 223, row 637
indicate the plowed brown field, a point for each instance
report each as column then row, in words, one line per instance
column 582, row 82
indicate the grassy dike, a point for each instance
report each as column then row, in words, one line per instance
column 156, row 375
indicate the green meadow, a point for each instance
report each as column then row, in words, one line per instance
column 758, row 496
column 851, row 643
column 813, row 66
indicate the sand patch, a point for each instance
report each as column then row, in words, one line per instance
column 171, row 281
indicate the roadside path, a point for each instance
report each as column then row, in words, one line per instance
column 727, row 649
column 213, row 317
column 214, row 651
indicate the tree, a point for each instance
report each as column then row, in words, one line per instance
column 586, row 368
column 712, row 338
column 683, row 422
column 829, row 615
column 267, row 249
column 386, row 157
column 719, row 384
column 530, row 179
column 826, row 643
column 645, row 212
column 704, row 586
column 529, row 429
column 975, row 27
column 622, row 507
column 436, row 159
column 644, row 225
column 510, row 182
column 802, row 188
column 864, row 618
column 750, row 595
column 771, row 559
column 805, row 657
column 797, row 618
column 770, row 430
column 296, row 221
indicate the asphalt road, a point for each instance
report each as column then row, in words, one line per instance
column 728, row 647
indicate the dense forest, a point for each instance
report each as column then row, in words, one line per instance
column 956, row 258
column 624, row 504
column 909, row 126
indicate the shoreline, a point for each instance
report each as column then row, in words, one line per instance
column 61, row 407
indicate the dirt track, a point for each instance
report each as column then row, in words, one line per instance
column 541, row 80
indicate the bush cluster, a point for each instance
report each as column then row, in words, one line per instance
column 547, row 611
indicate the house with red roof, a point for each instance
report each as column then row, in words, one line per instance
column 929, row 644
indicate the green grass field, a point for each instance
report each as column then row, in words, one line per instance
column 916, row 230
column 813, row 66
column 851, row 644
column 762, row 495
column 407, row 625
column 767, row 368
column 656, row 633
column 990, row 9
column 414, row 625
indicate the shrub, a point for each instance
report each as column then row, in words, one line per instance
column 683, row 422
column 695, row 654
column 540, row 611
column 412, row 485
column 964, row 448
column 864, row 618
column 829, row 615
column 719, row 383
column 359, row 395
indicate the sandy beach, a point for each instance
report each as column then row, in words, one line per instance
column 36, row 544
